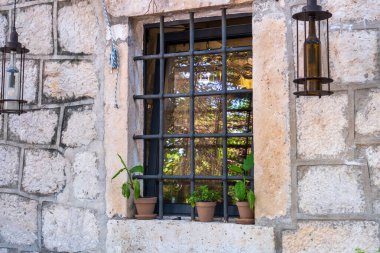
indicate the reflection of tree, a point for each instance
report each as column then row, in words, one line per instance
column 208, row 117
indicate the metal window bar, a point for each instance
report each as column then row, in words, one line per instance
column 192, row 116
column 225, row 178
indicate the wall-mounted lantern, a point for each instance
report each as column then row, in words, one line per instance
column 313, row 81
column 12, row 72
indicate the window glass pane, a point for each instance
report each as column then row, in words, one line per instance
column 208, row 156
column 208, row 73
column 176, row 115
column 177, row 75
column 237, row 150
column 152, row 77
column 152, row 113
column 208, row 114
column 239, row 70
column 176, row 191
column 239, row 113
column 176, row 156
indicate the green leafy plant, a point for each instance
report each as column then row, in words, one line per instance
column 241, row 191
column 130, row 185
column 203, row 194
column 359, row 250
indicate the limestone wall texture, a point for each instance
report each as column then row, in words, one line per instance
column 317, row 161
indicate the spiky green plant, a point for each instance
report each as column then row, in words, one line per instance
column 131, row 184
column 241, row 191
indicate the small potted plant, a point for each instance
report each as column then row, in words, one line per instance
column 242, row 194
column 205, row 201
column 144, row 205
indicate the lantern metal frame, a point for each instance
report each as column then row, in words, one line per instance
column 13, row 46
column 312, row 9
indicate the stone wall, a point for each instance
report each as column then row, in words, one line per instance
column 317, row 161
column 52, row 175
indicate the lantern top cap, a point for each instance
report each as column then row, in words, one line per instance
column 312, row 9
column 12, row 45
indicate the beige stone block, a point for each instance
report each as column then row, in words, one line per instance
column 9, row 166
column 271, row 116
column 34, row 25
column 330, row 190
column 367, row 118
column 354, row 55
column 36, row 127
column 18, row 219
column 138, row 8
column 69, row 80
column 187, row 236
column 116, row 134
column 44, row 172
column 78, row 27
column 353, row 10
column 322, row 126
column 336, row 236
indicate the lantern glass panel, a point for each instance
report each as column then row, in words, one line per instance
column 12, row 85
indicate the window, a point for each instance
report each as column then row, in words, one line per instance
column 197, row 108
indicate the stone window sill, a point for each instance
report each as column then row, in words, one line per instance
column 187, row 236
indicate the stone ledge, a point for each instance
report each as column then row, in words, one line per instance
column 186, row 236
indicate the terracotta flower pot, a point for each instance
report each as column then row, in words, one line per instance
column 145, row 206
column 247, row 215
column 244, row 211
column 205, row 211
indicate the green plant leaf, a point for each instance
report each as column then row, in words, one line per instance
column 122, row 161
column 118, row 173
column 137, row 169
column 251, row 199
column 240, row 192
column 125, row 190
column 248, row 162
column 136, row 188
column 236, row 169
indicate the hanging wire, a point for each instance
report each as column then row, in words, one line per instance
column 114, row 56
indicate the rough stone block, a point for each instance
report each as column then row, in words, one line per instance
column 69, row 229
column 69, row 80
column 367, row 120
column 31, row 81
column 36, row 127
column 330, row 190
column 372, row 155
column 354, row 55
column 18, row 219
column 376, row 206
column 79, row 127
column 3, row 29
column 353, row 10
column 77, row 28
column 322, row 126
column 9, row 166
column 339, row 236
column 86, row 176
column 44, row 172
column 34, row 25
column 186, row 236
column 8, row 250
